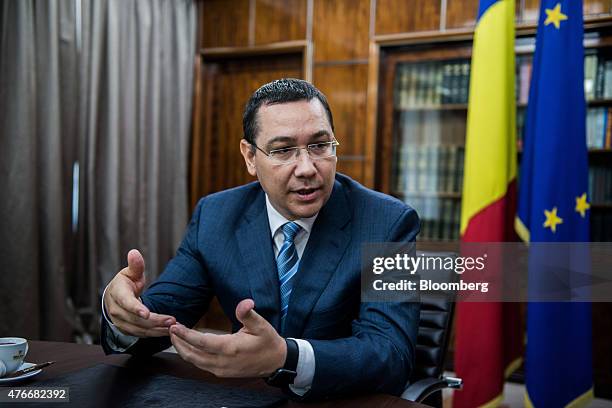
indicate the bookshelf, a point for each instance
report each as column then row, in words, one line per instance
column 423, row 99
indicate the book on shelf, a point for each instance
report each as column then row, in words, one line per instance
column 455, row 84
column 600, row 184
column 432, row 84
column 590, row 72
column 401, row 95
column 432, row 170
column 452, row 169
column 410, row 86
column 607, row 88
column 421, row 169
column 601, row 226
column 599, row 127
column 597, row 76
column 432, row 167
column 520, row 127
column 438, row 80
column 458, row 185
column 524, row 80
column 443, row 172
column 446, row 214
column 464, row 85
column 445, row 91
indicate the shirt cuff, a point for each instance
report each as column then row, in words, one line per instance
column 116, row 340
column 305, row 368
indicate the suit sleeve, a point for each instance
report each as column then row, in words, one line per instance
column 379, row 355
column 183, row 290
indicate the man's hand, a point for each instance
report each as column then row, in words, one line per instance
column 255, row 351
column 125, row 309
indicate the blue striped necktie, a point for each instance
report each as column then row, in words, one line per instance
column 287, row 263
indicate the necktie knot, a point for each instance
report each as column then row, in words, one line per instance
column 290, row 230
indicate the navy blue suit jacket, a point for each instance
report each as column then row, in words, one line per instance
column 227, row 251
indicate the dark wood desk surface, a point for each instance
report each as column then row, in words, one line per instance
column 71, row 357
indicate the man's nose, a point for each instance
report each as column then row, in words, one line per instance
column 304, row 166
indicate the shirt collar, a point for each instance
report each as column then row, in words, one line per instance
column 276, row 220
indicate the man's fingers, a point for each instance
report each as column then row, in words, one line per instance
column 161, row 320
column 154, row 321
column 211, row 343
column 134, row 330
column 127, row 308
column 193, row 355
column 140, row 328
column 136, row 266
column 250, row 319
column 124, row 297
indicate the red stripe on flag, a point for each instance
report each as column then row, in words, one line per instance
column 494, row 223
column 488, row 336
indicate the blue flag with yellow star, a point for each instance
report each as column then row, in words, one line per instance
column 553, row 205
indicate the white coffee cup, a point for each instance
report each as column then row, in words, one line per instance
column 12, row 352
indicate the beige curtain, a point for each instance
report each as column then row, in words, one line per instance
column 128, row 97
column 37, row 139
column 136, row 86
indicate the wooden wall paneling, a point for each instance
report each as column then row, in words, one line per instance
column 196, row 133
column 202, row 147
column 595, row 7
column 309, row 50
column 531, row 9
column 461, row 13
column 384, row 149
column 223, row 23
column 280, row 20
column 340, row 30
column 345, row 87
column 371, row 116
column 401, row 16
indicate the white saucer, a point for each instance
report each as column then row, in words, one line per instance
column 23, row 376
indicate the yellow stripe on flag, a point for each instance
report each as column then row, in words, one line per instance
column 490, row 162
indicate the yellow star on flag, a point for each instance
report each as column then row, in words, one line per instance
column 582, row 205
column 552, row 219
column 555, row 16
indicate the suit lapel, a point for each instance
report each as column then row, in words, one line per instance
column 327, row 242
column 255, row 243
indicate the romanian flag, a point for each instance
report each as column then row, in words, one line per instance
column 488, row 338
column 554, row 207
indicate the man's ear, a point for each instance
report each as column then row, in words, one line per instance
column 249, row 156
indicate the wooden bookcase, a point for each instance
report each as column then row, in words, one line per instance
column 423, row 105
column 422, row 113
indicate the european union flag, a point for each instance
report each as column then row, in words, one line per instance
column 554, row 206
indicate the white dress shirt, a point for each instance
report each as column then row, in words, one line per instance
column 306, row 361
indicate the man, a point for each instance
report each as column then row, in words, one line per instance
column 283, row 257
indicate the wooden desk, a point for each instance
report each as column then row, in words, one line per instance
column 71, row 357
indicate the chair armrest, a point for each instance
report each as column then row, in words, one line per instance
column 421, row 389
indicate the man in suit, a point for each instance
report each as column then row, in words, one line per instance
column 283, row 257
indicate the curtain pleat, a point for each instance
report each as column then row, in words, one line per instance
column 37, row 136
column 106, row 84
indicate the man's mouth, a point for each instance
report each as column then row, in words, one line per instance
column 306, row 194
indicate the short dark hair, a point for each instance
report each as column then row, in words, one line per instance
column 279, row 91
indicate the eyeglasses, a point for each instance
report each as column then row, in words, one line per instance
column 288, row 155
